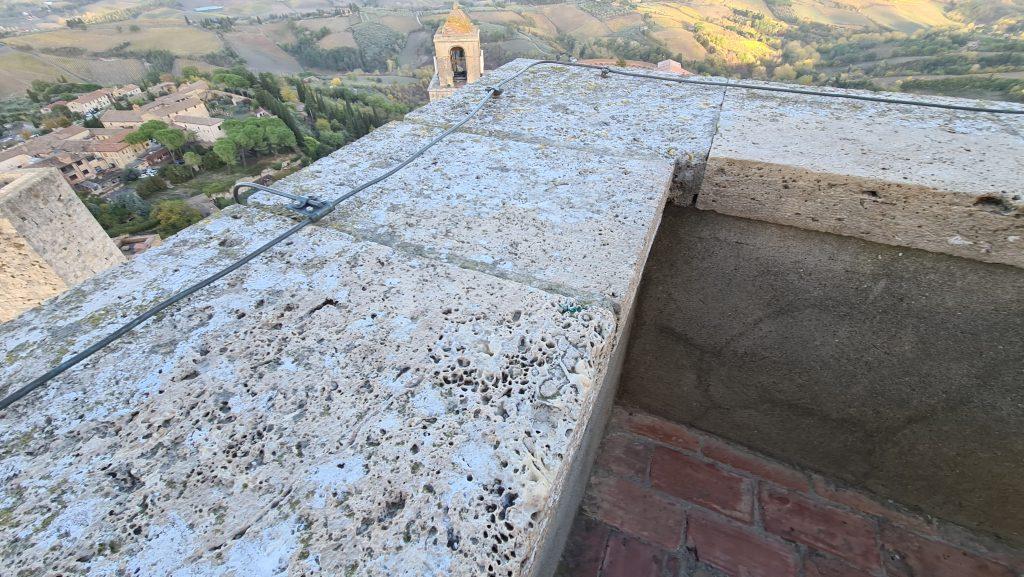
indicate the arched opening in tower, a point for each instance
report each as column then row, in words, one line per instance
column 458, row 58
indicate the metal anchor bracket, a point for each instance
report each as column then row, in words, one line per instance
column 308, row 206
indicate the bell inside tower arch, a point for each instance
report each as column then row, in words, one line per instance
column 458, row 59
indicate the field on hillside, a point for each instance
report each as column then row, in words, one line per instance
column 569, row 19
column 258, row 46
column 829, row 14
column 105, row 71
column 19, row 69
column 156, row 35
column 340, row 35
column 681, row 41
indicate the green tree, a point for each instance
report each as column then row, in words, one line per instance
column 172, row 138
column 151, row 185
column 193, row 160
column 146, row 132
column 230, row 80
column 211, row 161
column 335, row 140
column 226, row 151
column 259, row 135
column 176, row 173
column 174, row 215
column 784, row 73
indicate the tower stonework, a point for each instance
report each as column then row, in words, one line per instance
column 458, row 58
column 48, row 240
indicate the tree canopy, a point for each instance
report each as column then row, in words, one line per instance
column 257, row 135
column 174, row 215
column 146, row 132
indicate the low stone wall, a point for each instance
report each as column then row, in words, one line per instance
column 941, row 180
column 892, row 369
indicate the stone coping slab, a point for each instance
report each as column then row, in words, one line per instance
column 564, row 220
column 940, row 180
column 575, row 107
column 336, row 407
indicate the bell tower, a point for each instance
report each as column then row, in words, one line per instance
column 458, row 59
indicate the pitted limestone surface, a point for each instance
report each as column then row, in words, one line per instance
column 940, row 180
column 334, row 408
column 561, row 219
column 574, row 107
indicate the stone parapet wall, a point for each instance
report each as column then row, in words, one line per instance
column 25, row 278
column 409, row 385
column 945, row 181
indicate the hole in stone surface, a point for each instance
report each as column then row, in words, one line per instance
column 993, row 203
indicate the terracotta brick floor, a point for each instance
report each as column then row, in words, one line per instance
column 669, row 501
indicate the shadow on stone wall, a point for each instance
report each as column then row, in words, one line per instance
column 892, row 369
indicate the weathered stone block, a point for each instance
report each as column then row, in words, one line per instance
column 628, row 557
column 908, row 555
column 737, row 550
column 843, row 534
column 554, row 218
column 610, row 117
column 690, row 479
column 636, row 510
column 335, row 405
column 48, row 239
column 939, row 180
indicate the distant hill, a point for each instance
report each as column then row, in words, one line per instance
column 959, row 47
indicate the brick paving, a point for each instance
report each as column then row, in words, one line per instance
column 666, row 500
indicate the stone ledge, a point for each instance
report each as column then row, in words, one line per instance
column 335, row 405
column 576, row 108
column 554, row 218
column 404, row 385
column 939, row 180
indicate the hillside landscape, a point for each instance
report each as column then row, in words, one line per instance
column 959, row 47
column 277, row 85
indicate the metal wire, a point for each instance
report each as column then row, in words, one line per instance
column 773, row 88
column 156, row 309
column 492, row 91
